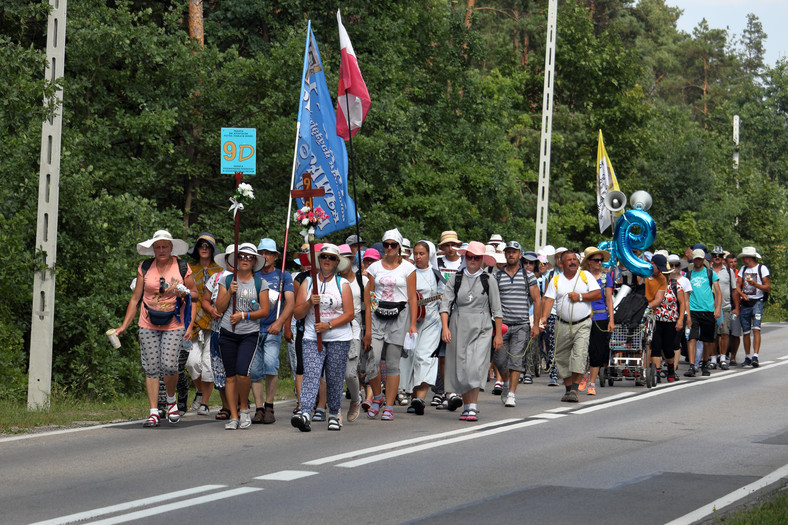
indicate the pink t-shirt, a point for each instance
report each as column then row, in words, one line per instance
column 163, row 302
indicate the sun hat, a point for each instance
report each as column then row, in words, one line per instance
column 661, row 252
column 346, row 254
column 556, row 252
column 179, row 246
column 748, row 251
column 393, row 235
column 531, row 256
column 354, row 239
column 333, row 249
column 250, row 249
column 673, row 258
column 495, row 239
column 449, row 236
column 498, row 256
column 661, row 262
column 648, row 255
column 542, row 258
column 268, row 245
column 591, row 251
column 371, row 253
column 406, row 244
column 477, row 248
column 718, row 249
column 221, row 258
column 204, row 236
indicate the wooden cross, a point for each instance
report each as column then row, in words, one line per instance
column 306, row 194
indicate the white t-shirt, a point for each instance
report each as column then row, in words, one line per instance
column 330, row 309
column 391, row 285
column 567, row 310
column 748, row 289
column 357, row 303
column 685, row 284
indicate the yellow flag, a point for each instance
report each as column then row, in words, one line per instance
column 605, row 181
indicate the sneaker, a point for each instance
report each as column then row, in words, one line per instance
column 672, row 378
column 591, row 389
column 712, row 365
column 498, row 388
column 246, row 420
column 510, row 400
column 231, row 425
column 268, row 415
column 418, row 406
column 690, row 372
column 528, row 379
column 196, row 403
column 724, row 365
column 320, row 415
column 553, row 382
column 353, row 411
column 704, row 371
column 583, row 383
column 754, row 361
column 565, row 398
column 204, row 410
column 301, row 422
column 747, row 362
column 258, row 416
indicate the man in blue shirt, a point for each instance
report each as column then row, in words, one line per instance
column 705, row 308
column 266, row 359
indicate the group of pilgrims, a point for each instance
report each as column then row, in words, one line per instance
column 399, row 324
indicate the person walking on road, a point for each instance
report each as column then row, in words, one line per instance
column 753, row 286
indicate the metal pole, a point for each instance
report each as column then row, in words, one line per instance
column 736, row 155
column 39, row 384
column 545, row 140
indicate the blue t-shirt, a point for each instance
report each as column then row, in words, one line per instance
column 600, row 307
column 702, row 296
column 272, row 278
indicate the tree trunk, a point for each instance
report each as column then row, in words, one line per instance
column 469, row 12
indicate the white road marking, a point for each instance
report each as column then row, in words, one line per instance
column 545, row 415
column 208, row 498
column 559, row 409
column 733, row 497
column 90, row 514
column 427, row 446
column 607, row 399
column 405, row 442
column 287, row 475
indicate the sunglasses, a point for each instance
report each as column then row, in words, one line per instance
column 329, row 257
column 675, row 265
column 473, row 257
column 717, row 255
column 162, row 288
column 596, row 260
column 203, row 245
column 247, row 257
column 529, row 262
column 390, row 244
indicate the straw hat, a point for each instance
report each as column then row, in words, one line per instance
column 449, row 236
column 593, row 250
column 179, row 246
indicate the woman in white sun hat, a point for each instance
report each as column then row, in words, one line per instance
column 165, row 288
column 240, row 328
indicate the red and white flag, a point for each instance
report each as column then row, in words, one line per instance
column 353, row 98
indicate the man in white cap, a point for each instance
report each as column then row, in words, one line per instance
column 753, row 286
column 704, row 305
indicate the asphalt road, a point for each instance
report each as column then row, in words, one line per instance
column 628, row 455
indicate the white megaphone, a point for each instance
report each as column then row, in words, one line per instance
column 615, row 200
column 640, row 200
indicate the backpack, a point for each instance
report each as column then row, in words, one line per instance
column 183, row 267
column 525, row 281
column 258, row 283
column 485, row 277
column 630, row 310
column 582, row 278
column 760, row 278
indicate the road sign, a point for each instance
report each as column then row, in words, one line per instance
column 239, row 151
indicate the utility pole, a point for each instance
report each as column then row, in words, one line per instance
column 39, row 383
column 545, row 140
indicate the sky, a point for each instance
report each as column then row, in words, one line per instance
column 732, row 14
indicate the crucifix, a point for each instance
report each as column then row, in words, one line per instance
column 306, row 194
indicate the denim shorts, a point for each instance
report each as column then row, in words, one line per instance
column 750, row 317
column 266, row 359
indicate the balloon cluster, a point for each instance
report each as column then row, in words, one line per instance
column 626, row 241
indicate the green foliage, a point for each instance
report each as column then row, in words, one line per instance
column 451, row 141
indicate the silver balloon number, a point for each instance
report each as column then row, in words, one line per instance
column 608, row 247
column 625, row 241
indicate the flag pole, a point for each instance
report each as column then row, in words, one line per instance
column 355, row 197
column 293, row 170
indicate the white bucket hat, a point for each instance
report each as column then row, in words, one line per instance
column 748, row 251
column 249, row 249
column 221, row 258
column 490, row 249
column 179, row 246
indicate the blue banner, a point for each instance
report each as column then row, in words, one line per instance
column 320, row 151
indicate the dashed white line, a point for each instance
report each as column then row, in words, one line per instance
column 545, row 415
column 286, row 475
column 90, row 514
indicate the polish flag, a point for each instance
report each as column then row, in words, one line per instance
column 353, row 94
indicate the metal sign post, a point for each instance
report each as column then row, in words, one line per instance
column 39, row 384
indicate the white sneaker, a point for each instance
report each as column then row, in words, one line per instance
column 504, row 393
column 231, row 425
column 196, row 403
column 246, row 420
column 510, row 400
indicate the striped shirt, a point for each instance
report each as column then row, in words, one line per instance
column 515, row 295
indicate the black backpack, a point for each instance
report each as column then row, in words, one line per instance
column 629, row 311
column 485, row 277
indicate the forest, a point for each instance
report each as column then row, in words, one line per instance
column 451, row 140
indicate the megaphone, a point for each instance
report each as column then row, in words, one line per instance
column 615, row 200
column 640, row 200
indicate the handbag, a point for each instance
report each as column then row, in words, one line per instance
column 388, row 310
column 158, row 317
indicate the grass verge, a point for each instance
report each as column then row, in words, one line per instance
column 772, row 511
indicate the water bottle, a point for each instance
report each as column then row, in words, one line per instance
column 686, row 333
column 733, row 317
column 255, row 305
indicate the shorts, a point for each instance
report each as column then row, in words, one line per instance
column 512, row 354
column 266, row 359
column 750, row 317
column 728, row 326
column 571, row 347
column 703, row 326
column 238, row 351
